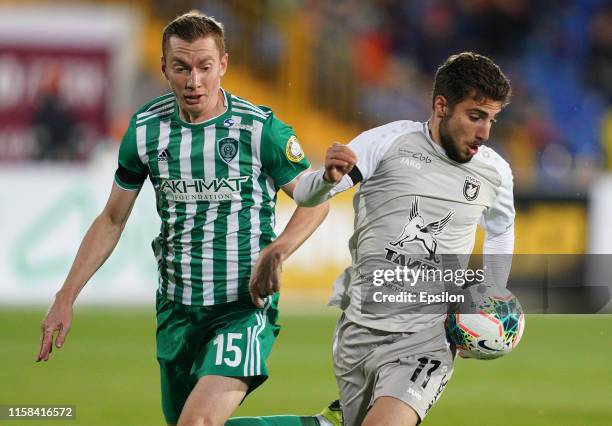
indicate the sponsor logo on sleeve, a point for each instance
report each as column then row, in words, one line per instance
column 293, row 150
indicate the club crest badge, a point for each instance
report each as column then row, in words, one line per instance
column 471, row 188
column 228, row 148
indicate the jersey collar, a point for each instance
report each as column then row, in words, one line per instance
column 227, row 107
column 436, row 147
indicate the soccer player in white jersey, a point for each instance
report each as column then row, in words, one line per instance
column 216, row 163
column 425, row 186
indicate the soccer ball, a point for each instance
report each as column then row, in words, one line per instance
column 488, row 324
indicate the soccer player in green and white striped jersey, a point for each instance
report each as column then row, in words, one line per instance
column 216, row 162
column 216, row 184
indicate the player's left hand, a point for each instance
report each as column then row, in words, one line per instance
column 58, row 319
column 265, row 277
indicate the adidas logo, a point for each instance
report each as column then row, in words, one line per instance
column 163, row 156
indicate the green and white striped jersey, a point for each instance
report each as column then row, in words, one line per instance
column 215, row 185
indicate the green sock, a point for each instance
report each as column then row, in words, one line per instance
column 273, row 421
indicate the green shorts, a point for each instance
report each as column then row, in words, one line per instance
column 233, row 339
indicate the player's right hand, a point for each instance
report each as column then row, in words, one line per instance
column 59, row 318
column 339, row 161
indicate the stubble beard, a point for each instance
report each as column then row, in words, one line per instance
column 450, row 146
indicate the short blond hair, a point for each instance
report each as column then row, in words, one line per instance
column 193, row 25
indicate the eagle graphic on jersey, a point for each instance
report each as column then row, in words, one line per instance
column 416, row 230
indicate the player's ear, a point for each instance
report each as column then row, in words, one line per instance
column 162, row 62
column 223, row 64
column 440, row 106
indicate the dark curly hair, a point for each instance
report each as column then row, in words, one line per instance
column 469, row 74
column 192, row 26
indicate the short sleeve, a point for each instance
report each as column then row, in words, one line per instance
column 131, row 172
column 282, row 156
column 500, row 216
column 372, row 145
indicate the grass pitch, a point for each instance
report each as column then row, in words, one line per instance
column 560, row 374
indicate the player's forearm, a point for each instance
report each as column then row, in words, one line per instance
column 497, row 256
column 313, row 189
column 98, row 244
column 302, row 224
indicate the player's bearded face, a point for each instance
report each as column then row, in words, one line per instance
column 466, row 126
column 449, row 143
column 194, row 70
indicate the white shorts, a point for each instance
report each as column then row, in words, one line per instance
column 369, row 364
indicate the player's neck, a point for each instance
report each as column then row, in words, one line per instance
column 433, row 127
column 217, row 107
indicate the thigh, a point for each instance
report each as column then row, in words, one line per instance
column 213, row 400
column 389, row 411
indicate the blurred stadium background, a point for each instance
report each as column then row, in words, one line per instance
column 72, row 73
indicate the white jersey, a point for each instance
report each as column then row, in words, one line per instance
column 414, row 207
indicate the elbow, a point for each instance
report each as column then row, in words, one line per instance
column 112, row 223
